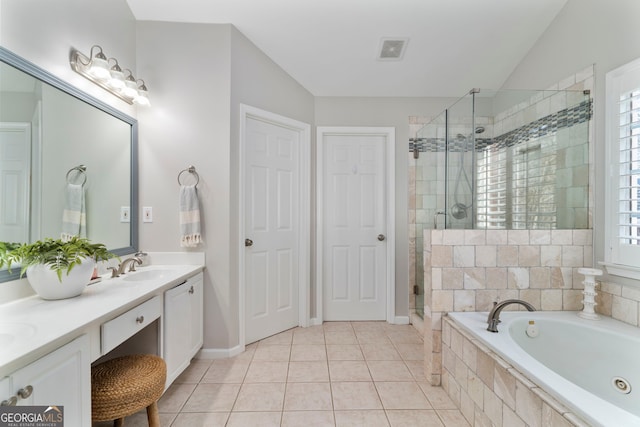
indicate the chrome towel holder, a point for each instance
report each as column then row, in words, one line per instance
column 80, row 170
column 192, row 170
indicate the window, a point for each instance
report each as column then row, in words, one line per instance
column 623, row 139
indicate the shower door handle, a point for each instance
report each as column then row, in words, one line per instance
column 381, row 237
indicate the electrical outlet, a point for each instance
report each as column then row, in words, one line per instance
column 147, row 214
column 125, row 214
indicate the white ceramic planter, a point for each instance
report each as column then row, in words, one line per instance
column 45, row 281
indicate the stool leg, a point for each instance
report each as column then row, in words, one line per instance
column 118, row 423
column 152, row 415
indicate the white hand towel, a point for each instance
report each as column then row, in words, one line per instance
column 74, row 218
column 189, row 217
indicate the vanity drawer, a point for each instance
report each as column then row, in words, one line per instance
column 116, row 331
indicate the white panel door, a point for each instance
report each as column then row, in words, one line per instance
column 272, row 229
column 15, row 158
column 354, row 212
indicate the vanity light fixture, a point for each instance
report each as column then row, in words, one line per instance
column 96, row 68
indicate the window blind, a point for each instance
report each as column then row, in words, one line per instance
column 629, row 168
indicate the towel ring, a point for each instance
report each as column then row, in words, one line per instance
column 81, row 170
column 191, row 170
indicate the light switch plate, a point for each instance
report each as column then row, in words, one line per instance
column 147, row 214
column 125, row 214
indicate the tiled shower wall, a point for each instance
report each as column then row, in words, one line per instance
column 466, row 270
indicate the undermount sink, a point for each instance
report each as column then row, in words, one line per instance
column 145, row 275
column 15, row 332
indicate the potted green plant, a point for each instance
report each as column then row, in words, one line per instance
column 55, row 268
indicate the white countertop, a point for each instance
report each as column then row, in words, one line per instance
column 49, row 324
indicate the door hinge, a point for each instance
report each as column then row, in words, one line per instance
column 416, row 290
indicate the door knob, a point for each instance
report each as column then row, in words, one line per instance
column 381, row 237
column 248, row 242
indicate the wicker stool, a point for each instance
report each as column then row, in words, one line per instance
column 123, row 386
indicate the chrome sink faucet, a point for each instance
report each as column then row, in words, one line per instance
column 494, row 314
column 117, row 271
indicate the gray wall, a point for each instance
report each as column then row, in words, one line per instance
column 394, row 112
column 43, row 31
column 200, row 74
column 604, row 33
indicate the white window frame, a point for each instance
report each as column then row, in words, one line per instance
column 620, row 260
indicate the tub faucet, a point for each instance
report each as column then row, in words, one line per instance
column 494, row 314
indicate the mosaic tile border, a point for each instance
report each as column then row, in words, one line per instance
column 547, row 125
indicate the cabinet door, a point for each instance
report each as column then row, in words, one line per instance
column 182, row 325
column 61, row 378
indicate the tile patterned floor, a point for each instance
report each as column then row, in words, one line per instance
column 338, row 374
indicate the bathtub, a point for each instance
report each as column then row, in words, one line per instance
column 592, row 367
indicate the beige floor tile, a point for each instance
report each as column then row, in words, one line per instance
column 361, row 419
column 402, row 395
column 308, row 397
column 308, row 352
column 254, row 419
column 414, row 418
column 389, row 370
column 369, row 326
column 349, row 370
column 212, row 398
column 247, row 354
column 226, row 371
column 355, row 395
column 372, row 337
column 195, row 419
column 308, row 372
column 344, row 352
column 438, row 398
column 340, row 337
column 452, row 418
column 265, row 371
column 260, row 397
column 310, row 335
column 416, row 367
column 194, row 372
column 283, row 338
column 307, row 419
column 139, row 419
column 406, row 337
column 273, row 353
column 411, row 351
column 380, row 351
column 175, row 397
column 337, row 326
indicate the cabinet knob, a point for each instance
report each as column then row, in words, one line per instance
column 139, row 319
column 191, row 290
column 25, row 392
column 12, row 401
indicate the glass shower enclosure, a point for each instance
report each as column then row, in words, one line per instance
column 501, row 160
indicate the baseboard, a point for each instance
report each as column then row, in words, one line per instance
column 315, row 321
column 219, row 353
column 401, row 320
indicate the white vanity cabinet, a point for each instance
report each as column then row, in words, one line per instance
column 183, row 325
column 61, row 378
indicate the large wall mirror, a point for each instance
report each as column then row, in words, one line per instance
column 49, row 130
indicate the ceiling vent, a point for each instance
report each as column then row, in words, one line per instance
column 392, row 48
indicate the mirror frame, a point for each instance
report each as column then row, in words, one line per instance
column 35, row 71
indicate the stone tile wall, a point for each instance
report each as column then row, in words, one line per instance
column 490, row 392
column 466, row 270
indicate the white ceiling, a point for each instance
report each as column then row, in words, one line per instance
column 330, row 46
